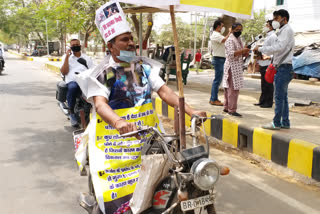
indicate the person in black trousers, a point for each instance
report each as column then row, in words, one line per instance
column 266, row 97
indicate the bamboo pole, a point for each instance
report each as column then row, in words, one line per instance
column 177, row 51
column 182, row 128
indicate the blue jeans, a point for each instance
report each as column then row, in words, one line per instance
column 218, row 63
column 281, row 81
column 72, row 93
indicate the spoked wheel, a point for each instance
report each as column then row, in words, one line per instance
column 211, row 209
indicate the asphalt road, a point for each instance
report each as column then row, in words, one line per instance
column 39, row 174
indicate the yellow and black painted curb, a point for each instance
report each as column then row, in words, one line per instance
column 53, row 67
column 54, row 59
column 298, row 155
column 21, row 55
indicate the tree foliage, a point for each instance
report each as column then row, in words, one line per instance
column 253, row 27
column 18, row 18
column 185, row 33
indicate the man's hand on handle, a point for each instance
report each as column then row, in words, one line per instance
column 200, row 114
column 124, row 127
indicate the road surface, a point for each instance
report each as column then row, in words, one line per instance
column 39, row 174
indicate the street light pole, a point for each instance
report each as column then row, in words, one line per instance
column 47, row 35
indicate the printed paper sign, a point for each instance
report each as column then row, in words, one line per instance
column 111, row 21
column 121, row 158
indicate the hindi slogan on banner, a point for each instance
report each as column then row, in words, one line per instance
column 122, row 157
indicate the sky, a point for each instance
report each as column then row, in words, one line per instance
column 164, row 18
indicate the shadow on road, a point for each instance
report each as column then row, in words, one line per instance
column 35, row 88
column 49, row 148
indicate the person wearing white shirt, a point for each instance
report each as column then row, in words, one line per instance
column 266, row 97
column 108, row 101
column 73, row 63
column 218, row 60
column 281, row 48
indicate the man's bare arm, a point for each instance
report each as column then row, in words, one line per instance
column 227, row 36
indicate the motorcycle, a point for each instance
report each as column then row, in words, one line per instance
column 189, row 184
column 81, row 109
column 206, row 61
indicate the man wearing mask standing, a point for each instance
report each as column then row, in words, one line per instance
column 74, row 62
column 266, row 97
column 282, row 51
column 218, row 59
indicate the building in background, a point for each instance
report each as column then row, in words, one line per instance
column 304, row 15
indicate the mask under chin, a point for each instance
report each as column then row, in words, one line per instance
column 126, row 56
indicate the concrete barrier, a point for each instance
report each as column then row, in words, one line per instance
column 21, row 55
column 298, row 155
column 54, row 59
column 53, row 67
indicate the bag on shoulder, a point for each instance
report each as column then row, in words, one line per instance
column 270, row 73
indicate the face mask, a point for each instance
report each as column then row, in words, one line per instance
column 275, row 24
column 76, row 48
column 237, row 34
column 126, row 56
column 222, row 30
column 266, row 29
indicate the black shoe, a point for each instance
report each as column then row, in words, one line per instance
column 257, row 104
column 235, row 114
column 266, row 106
column 225, row 110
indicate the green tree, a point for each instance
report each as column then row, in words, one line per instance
column 253, row 27
column 185, row 33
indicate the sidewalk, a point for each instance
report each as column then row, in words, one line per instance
column 302, row 126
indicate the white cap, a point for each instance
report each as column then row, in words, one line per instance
column 111, row 21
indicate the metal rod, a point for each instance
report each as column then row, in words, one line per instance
column 83, row 119
column 176, row 120
column 204, row 30
column 171, row 208
column 182, row 127
column 195, row 37
column 47, row 35
column 140, row 35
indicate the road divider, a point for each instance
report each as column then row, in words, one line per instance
column 21, row 55
column 52, row 67
column 298, row 155
column 54, row 59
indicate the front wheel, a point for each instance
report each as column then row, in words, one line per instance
column 211, row 209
